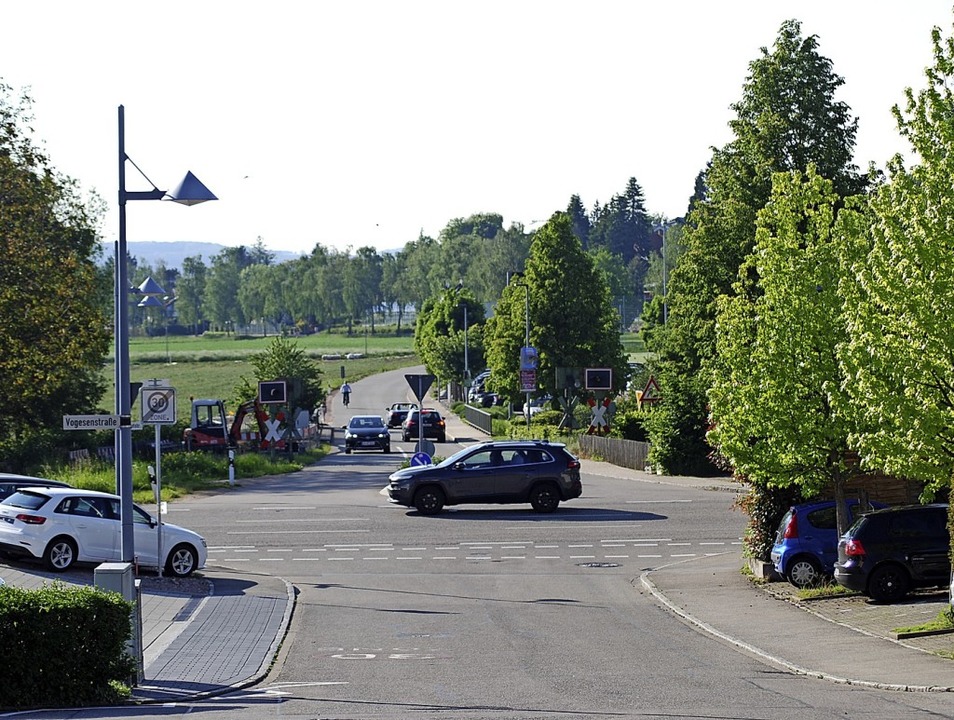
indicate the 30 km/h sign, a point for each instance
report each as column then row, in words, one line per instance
column 158, row 406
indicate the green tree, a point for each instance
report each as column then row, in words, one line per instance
column 284, row 360
column 779, row 414
column 190, row 291
column 563, row 303
column 901, row 354
column 439, row 336
column 56, row 333
column 787, row 119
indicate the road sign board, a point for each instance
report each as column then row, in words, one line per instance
column 91, row 422
column 158, row 406
column 420, row 384
column 420, row 459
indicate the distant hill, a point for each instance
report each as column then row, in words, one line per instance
column 173, row 253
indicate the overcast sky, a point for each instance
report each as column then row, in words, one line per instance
column 367, row 122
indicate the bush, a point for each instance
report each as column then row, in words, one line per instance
column 64, row 647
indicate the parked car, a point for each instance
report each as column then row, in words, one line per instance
column 10, row 483
column 434, row 427
column 396, row 414
column 537, row 405
column 366, row 432
column 887, row 553
column 517, row 471
column 806, row 543
column 64, row 526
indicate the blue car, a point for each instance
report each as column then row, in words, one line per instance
column 806, row 543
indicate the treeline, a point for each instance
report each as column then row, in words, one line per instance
column 243, row 286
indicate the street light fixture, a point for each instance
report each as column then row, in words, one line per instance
column 526, row 335
column 189, row 192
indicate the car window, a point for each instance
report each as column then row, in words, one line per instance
column 26, row 500
column 916, row 525
column 92, row 507
column 824, row 518
column 482, row 459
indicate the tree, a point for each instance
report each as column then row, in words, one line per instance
column 572, row 322
column 284, row 360
column 56, row 334
column 901, row 354
column 189, row 292
column 439, row 336
column 786, row 119
column 779, row 413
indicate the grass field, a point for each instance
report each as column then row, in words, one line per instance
column 210, row 366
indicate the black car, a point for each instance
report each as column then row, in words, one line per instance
column 518, row 471
column 433, row 426
column 396, row 414
column 367, row 432
column 886, row 553
column 10, row 483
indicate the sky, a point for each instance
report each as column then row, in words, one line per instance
column 369, row 122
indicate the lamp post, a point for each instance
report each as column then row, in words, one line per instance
column 189, row 192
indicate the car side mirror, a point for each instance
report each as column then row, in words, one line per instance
column 459, row 466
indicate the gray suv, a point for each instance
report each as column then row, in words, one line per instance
column 517, row 471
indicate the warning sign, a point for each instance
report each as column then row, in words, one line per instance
column 651, row 393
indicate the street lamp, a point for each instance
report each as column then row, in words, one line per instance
column 189, row 192
column 526, row 335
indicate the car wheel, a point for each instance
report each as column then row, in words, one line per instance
column 442, row 438
column 182, row 561
column 429, row 500
column 804, row 571
column 60, row 554
column 888, row 583
column 347, row 451
column 406, row 438
column 386, row 448
column 544, row 498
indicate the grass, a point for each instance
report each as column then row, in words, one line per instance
column 212, row 366
column 944, row 622
column 184, row 473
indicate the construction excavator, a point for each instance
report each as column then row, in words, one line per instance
column 210, row 429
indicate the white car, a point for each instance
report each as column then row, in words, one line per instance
column 63, row 526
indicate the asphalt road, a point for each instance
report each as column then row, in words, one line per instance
column 491, row 612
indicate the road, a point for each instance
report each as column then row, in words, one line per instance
column 492, row 612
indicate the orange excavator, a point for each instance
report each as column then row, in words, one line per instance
column 209, row 428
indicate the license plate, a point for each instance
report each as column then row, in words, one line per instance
column 368, row 443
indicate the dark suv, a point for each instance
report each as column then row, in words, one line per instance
column 518, row 471
column 888, row 552
column 433, row 425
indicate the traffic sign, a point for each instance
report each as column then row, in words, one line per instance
column 158, row 406
column 420, row 384
column 420, row 459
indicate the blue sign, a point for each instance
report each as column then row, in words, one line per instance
column 420, row 458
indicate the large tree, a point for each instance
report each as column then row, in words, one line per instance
column 56, row 334
column 563, row 304
column 786, row 119
column 901, row 355
column 779, row 414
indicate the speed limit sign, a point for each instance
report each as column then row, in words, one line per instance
column 158, row 406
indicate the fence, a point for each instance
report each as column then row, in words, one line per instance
column 480, row 419
column 625, row 453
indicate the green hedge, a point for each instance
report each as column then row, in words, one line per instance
column 64, row 646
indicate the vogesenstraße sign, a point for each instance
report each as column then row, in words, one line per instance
column 90, row 422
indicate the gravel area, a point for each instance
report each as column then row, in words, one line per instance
column 194, row 585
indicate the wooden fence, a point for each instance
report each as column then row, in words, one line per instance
column 625, row 453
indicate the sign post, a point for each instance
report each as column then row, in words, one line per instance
column 158, row 408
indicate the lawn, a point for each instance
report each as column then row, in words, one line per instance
column 210, row 366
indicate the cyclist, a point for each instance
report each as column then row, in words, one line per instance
column 346, row 394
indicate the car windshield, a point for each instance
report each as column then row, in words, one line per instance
column 366, row 422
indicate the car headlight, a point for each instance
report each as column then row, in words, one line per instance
column 349, row 435
column 383, row 435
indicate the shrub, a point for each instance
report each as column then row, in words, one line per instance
column 64, row 646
